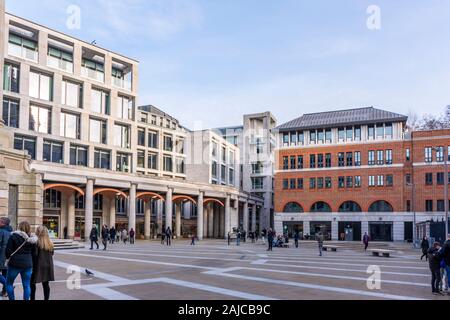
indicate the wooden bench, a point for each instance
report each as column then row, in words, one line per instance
column 384, row 252
column 332, row 248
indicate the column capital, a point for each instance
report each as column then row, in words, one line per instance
column 90, row 179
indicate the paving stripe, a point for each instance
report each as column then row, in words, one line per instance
column 97, row 274
column 313, row 286
column 109, row 294
column 264, row 262
column 174, row 256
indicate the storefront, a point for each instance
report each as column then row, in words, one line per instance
column 323, row 227
column 350, row 231
column 52, row 224
column 381, row 231
column 291, row 227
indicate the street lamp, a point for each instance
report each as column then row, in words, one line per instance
column 446, row 181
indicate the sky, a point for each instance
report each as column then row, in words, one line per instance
column 208, row 62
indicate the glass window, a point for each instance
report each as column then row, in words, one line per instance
column 153, row 139
column 11, row 112
column 78, row 155
column 300, row 183
column 123, row 161
column 26, row 144
column 428, row 154
column 389, row 180
column 23, row 47
column 293, row 164
column 349, row 158
column 371, row 132
column 341, row 159
column 380, row 180
column 380, row 131
column 69, row 125
column 388, row 131
column 349, row 134
column 231, row 176
column 97, row 131
column 350, row 206
column 440, row 178
column 341, row 134
column 52, row 199
column 168, row 143
column 285, row 163
column 100, row 101
column 40, row 119
column 214, row 169
column 320, row 207
column 320, row 161
column 41, row 86
column 328, row 136
column 312, row 136
column 358, row 133
column 141, row 159
column 72, row 94
column 153, row 161
column 440, row 206
column 429, row 205
column 408, row 154
column 380, row 157
column 53, row 151
column 341, row 182
column 321, row 136
column 389, row 157
column 429, row 179
column 292, row 184
column 223, row 172
column 60, row 59
column 371, row 181
column 167, row 164
column 371, row 160
column 357, row 181
column 328, row 182
column 285, row 184
column 293, row 138
column 440, row 154
column 141, row 137
column 300, row 162
column 349, row 182
column 122, row 136
column 102, row 159
column 286, row 139
column 357, row 158
column 381, row 206
column 328, row 160
column 301, row 138
column 11, row 77
column 179, row 148
column 124, row 108
column 312, row 161
column 224, row 154
column 312, row 183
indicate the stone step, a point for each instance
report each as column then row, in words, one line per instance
column 67, row 244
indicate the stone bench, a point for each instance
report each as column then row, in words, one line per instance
column 384, row 252
column 332, row 248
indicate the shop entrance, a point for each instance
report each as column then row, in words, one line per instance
column 381, row 231
column 52, row 224
column 323, row 227
column 291, row 227
column 350, row 231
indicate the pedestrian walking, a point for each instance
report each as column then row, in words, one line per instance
column 366, row 240
column 296, row 237
column 112, row 235
column 20, row 261
column 105, row 236
column 444, row 275
column 43, row 269
column 163, row 236
column 434, row 261
column 132, row 236
column 65, row 231
column 168, row 236
column 320, row 242
column 94, row 237
column 193, row 240
column 425, row 245
column 118, row 235
column 238, row 238
column 124, row 236
column 5, row 233
column 263, row 236
column 270, row 236
column 446, row 257
column 229, row 237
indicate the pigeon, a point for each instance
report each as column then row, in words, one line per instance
column 89, row 273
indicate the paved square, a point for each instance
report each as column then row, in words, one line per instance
column 212, row 270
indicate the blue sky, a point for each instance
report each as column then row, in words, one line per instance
column 211, row 61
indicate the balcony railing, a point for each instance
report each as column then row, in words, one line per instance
column 56, row 63
column 93, row 74
column 122, row 83
column 22, row 52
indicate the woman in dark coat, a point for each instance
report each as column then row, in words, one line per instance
column 43, row 269
column 94, row 237
column 425, row 245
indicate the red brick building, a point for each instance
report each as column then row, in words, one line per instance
column 354, row 171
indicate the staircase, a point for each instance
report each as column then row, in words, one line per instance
column 67, row 244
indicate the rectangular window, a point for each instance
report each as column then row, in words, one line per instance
column 371, row 132
column 301, row 138
column 312, row 161
column 408, row 205
column 122, row 136
column 22, row 46
column 440, row 178
column 349, row 182
column 320, row 136
column 349, row 134
column 11, row 77
column 349, row 159
column 11, row 112
column 71, row 94
column 380, row 181
column 293, row 135
column 93, row 69
column 69, row 125
column 231, row 176
column 286, row 139
column 24, row 143
column 285, row 184
column 78, row 155
column 153, row 139
column 380, row 157
column 292, row 185
column 440, row 206
column 40, row 119
column 152, row 161
column 328, row 160
column 312, row 183
column 223, row 172
column 341, row 134
column 285, row 163
column 58, row 58
column 124, row 108
column 293, row 164
column 258, row 183
column 300, row 162
column 341, row 159
column 389, row 159
column 141, row 159
column 428, row 154
column 53, row 151
column 300, row 183
column 320, row 161
column 312, row 137
column 440, row 154
column 123, row 161
column 429, row 205
column 389, row 180
column 371, row 181
column 102, row 159
column 357, row 159
column 214, row 169
column 100, row 101
column 371, row 158
column 167, row 164
column 328, row 182
column 388, row 131
column 357, row 181
column 179, row 148
column 408, row 179
column 408, row 154
column 341, row 182
column 429, row 179
column 141, row 137
column 320, row 183
column 328, row 136
column 168, row 143
column 358, row 133
column 41, row 86
column 97, row 131
column 380, row 131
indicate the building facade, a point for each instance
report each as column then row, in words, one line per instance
column 72, row 107
column 349, row 172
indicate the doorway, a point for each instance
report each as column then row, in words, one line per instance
column 291, row 227
column 381, row 231
column 349, row 231
column 324, row 227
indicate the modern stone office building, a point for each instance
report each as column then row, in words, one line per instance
column 73, row 108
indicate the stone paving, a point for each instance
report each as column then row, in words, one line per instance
column 212, row 270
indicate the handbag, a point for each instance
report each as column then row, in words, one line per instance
column 17, row 250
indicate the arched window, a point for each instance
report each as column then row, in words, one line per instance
column 350, row 206
column 293, row 207
column 381, row 206
column 320, row 207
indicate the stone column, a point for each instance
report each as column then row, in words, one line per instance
column 227, row 215
column 178, row 219
column 253, row 218
column 205, row 222
column 147, row 219
column 246, row 217
column 159, row 219
column 216, row 221
column 112, row 211
column 89, row 208
column 71, row 215
column 200, row 216
column 132, row 208
column 222, row 222
column 169, row 209
column 64, row 213
column 211, row 220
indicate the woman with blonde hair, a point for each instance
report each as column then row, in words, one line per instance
column 43, row 270
column 20, row 261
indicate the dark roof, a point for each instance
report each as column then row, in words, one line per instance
column 156, row 111
column 342, row 117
